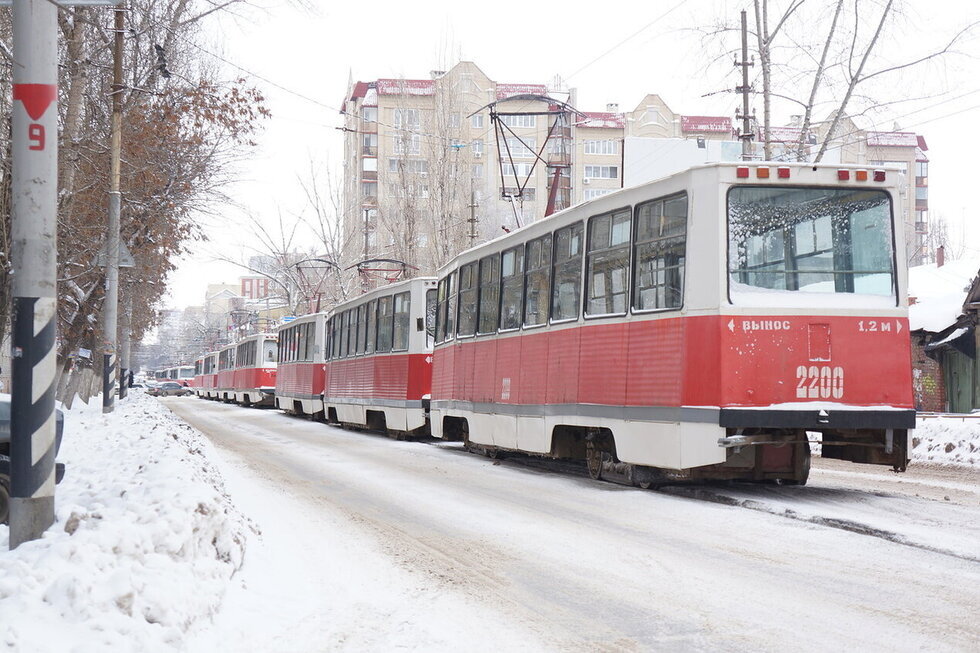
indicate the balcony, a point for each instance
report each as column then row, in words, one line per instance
column 369, row 150
column 921, row 227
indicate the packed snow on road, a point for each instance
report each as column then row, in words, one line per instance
column 267, row 532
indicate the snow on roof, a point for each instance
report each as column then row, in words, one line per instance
column 602, row 120
column 405, row 87
column 893, row 139
column 783, row 134
column 939, row 293
column 706, row 124
column 371, row 97
column 507, row 90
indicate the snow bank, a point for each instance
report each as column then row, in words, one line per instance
column 947, row 440
column 144, row 544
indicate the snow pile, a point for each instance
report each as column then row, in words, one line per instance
column 144, row 544
column 947, row 440
column 939, row 293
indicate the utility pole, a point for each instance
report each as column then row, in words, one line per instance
column 35, row 253
column 111, row 306
column 746, row 134
column 125, row 328
column 472, row 206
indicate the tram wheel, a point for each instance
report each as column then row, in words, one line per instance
column 593, row 459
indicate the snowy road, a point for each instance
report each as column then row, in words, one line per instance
column 372, row 544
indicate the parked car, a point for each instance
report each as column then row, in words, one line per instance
column 169, row 389
column 5, row 454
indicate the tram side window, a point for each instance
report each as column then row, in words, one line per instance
column 362, row 328
column 310, row 340
column 660, row 242
column 343, row 336
column 608, row 262
column 467, row 299
column 385, row 325
column 442, row 301
column 403, row 308
column 512, row 287
column 372, row 325
column 489, row 294
column 537, row 292
column 357, row 337
column 567, row 295
column 349, row 334
column 301, row 343
column 430, row 318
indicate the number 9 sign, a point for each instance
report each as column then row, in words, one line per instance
column 35, row 134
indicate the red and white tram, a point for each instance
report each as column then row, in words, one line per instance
column 380, row 358
column 302, row 365
column 225, row 381
column 255, row 370
column 209, row 376
column 198, row 379
column 692, row 327
column 182, row 374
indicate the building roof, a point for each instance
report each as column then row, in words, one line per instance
column 714, row 124
column 602, row 120
column 893, row 139
column 406, row 87
column 939, row 293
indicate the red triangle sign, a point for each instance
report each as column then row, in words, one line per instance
column 36, row 97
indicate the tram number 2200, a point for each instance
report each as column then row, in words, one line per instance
column 819, row 382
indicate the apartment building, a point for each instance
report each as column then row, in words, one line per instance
column 427, row 174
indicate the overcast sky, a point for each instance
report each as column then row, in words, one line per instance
column 610, row 52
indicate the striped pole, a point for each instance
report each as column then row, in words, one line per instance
column 34, row 255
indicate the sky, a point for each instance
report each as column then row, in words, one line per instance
column 302, row 54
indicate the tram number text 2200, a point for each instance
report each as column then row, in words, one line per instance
column 819, row 382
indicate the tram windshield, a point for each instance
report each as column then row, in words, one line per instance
column 810, row 240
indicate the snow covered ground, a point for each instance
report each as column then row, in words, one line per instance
column 144, row 545
column 356, row 543
column 947, row 440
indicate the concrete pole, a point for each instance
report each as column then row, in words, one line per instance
column 744, row 88
column 35, row 258
column 111, row 305
column 125, row 349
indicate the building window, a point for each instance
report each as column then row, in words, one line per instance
column 527, row 194
column 477, row 171
column 369, row 114
column 476, row 121
column 600, row 147
column 454, row 120
column 407, row 143
column 520, row 150
column 602, row 172
column 369, row 189
column 477, row 146
column 521, row 170
column 592, row 193
column 921, row 193
column 519, row 121
column 406, row 118
column 369, row 164
column 408, row 166
column 652, row 115
column 369, row 144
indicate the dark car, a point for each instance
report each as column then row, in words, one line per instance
column 5, row 454
column 169, row 389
